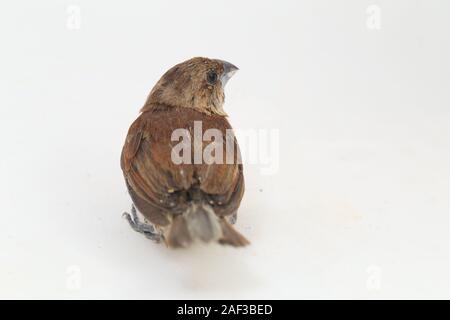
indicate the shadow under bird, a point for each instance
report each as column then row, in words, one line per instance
column 191, row 201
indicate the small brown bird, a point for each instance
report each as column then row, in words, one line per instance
column 189, row 200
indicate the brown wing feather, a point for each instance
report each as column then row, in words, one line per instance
column 160, row 187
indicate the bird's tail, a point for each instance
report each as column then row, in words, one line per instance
column 200, row 222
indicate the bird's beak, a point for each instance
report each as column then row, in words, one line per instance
column 229, row 70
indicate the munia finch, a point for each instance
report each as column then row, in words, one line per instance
column 188, row 201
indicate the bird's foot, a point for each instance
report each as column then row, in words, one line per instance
column 146, row 229
column 233, row 218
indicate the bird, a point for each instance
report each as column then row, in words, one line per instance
column 189, row 201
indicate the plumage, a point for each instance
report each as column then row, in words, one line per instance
column 185, row 202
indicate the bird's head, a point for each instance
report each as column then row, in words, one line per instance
column 197, row 83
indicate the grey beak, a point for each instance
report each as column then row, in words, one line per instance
column 229, row 70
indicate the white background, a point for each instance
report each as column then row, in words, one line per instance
column 360, row 205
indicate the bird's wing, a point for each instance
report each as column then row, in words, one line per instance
column 223, row 188
column 158, row 185
column 153, row 180
column 222, row 183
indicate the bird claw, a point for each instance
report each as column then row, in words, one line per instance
column 147, row 230
column 233, row 218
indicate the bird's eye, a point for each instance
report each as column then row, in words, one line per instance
column 211, row 76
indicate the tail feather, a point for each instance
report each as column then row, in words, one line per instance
column 200, row 222
column 231, row 236
column 203, row 223
column 178, row 235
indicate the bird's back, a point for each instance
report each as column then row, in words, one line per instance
column 163, row 182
